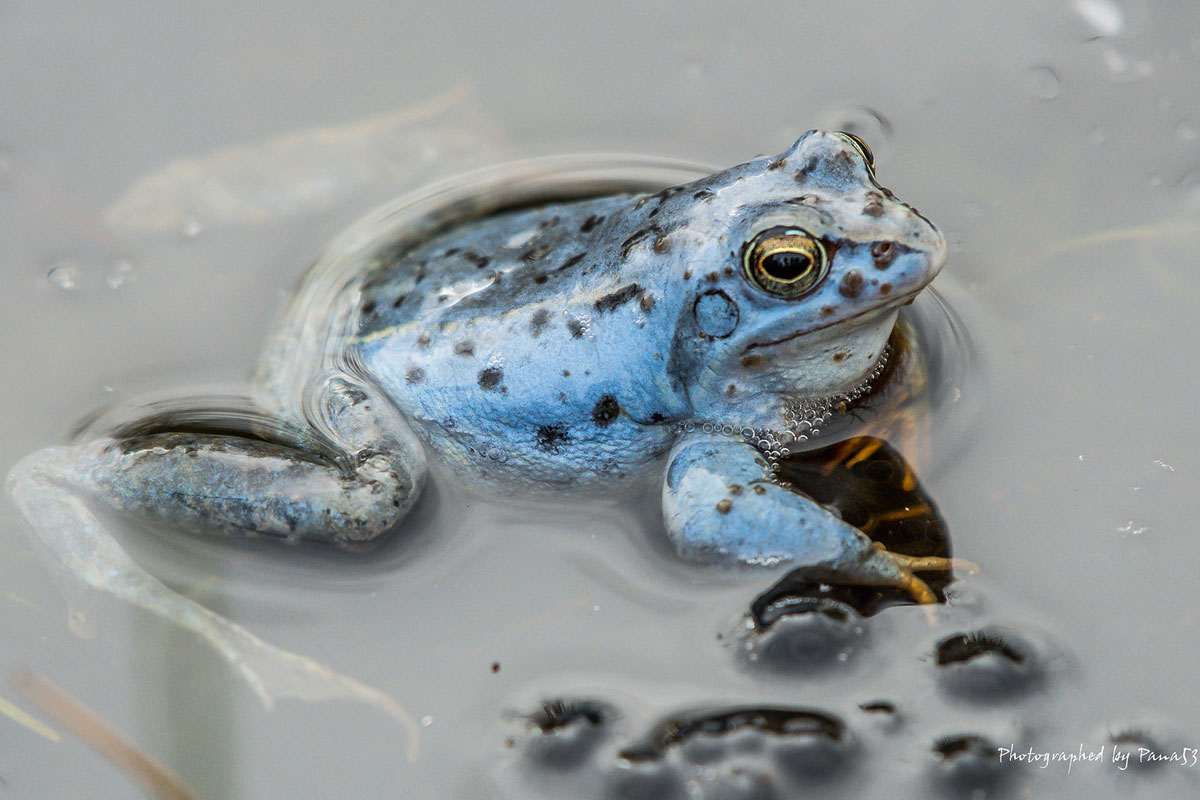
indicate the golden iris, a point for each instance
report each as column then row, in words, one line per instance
column 784, row 261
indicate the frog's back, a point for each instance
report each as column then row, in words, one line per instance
column 477, row 269
column 529, row 336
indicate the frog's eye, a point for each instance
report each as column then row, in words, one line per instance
column 862, row 148
column 784, row 261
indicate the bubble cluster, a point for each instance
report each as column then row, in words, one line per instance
column 802, row 419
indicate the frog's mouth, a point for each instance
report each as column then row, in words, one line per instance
column 901, row 300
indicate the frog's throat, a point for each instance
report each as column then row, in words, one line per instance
column 801, row 417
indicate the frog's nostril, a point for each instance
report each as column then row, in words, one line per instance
column 883, row 253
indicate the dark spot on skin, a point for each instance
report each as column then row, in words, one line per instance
column 839, row 356
column 885, row 289
column 590, row 222
column 562, row 397
column 776, row 164
column 452, row 251
column 566, row 373
column 752, row 360
column 576, row 328
column 844, row 161
column 464, row 348
column 620, row 297
column 728, row 271
column 730, row 390
column 735, row 489
column 656, row 418
column 654, row 213
column 638, row 236
column 826, row 311
column 423, row 340
column 572, row 261
column 647, row 302
column 851, row 285
column 874, row 205
column 687, row 274
column 806, row 170
column 724, row 506
column 399, row 301
column 490, row 378
column 883, row 253
column 704, row 194
column 546, row 224
column 414, row 375
column 712, row 277
column 550, row 438
column 878, row 707
column 540, row 278
column 605, row 411
column 479, row 261
column 368, row 307
column 442, row 298
column 760, row 490
column 495, row 667
column 536, row 253
column 539, row 320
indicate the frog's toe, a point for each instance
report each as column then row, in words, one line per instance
column 897, row 569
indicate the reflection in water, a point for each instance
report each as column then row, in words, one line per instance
column 872, row 487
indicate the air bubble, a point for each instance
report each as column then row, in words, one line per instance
column 1043, row 83
column 119, row 274
column 66, row 275
column 1104, row 16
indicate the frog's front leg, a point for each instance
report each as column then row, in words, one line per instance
column 721, row 506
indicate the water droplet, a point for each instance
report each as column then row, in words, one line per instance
column 874, row 128
column 1186, row 131
column 191, row 229
column 1164, row 465
column 426, row 721
column 1043, row 82
column 120, row 274
column 1122, row 68
column 66, row 275
column 1131, row 528
column 1104, row 16
column 694, row 70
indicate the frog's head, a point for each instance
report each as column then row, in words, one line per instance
column 818, row 258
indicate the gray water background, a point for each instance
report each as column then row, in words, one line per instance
column 1057, row 145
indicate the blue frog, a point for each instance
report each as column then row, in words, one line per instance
column 561, row 345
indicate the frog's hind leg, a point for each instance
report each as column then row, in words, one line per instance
column 720, row 505
column 218, row 477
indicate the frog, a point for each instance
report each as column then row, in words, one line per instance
column 690, row 335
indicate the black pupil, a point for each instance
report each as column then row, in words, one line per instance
column 786, row 266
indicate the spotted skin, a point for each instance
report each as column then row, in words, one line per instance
column 566, row 345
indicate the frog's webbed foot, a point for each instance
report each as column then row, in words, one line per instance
column 212, row 479
column 720, row 507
